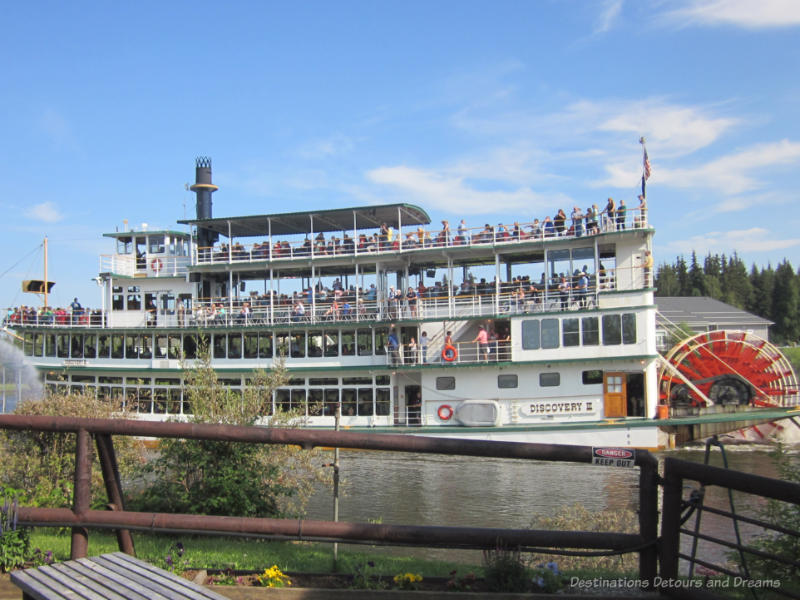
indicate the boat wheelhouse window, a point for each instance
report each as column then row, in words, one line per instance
column 381, row 339
column 62, row 343
column 156, row 244
column 298, row 347
column 50, row 344
column 117, row 298
column 330, row 340
column 549, row 379
column 264, row 345
column 90, row 346
column 234, row 345
column 190, row 346
column 550, row 333
column 356, row 380
column 76, row 346
column 531, row 334
column 348, row 343
column 612, row 330
column 383, row 380
column 593, row 377
column 382, row 401
column 124, row 245
column 445, row 383
column 364, row 342
column 118, row 346
column 628, row 328
column 509, row 380
column 591, row 331
column 134, row 298
column 323, row 381
column 570, row 332
column 251, row 345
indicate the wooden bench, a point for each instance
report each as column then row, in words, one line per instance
column 116, row 576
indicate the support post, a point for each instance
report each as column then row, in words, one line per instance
column 648, row 520
column 81, row 494
column 670, row 523
column 111, row 478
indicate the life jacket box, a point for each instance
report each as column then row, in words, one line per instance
column 478, row 413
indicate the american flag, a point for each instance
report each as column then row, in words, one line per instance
column 646, row 165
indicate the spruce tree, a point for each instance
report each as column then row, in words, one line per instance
column 785, row 304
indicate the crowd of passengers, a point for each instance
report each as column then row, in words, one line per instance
column 75, row 314
column 613, row 217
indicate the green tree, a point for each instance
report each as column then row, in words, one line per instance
column 786, row 304
column 763, row 283
column 666, row 281
column 736, row 286
column 697, row 283
column 228, row 478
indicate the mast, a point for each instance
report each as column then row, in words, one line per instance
column 45, row 270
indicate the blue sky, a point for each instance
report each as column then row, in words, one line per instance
column 492, row 111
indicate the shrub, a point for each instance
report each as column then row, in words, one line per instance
column 14, row 541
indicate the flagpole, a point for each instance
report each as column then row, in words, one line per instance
column 645, row 167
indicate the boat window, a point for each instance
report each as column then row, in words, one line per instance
column 331, row 402
column 348, row 343
column 323, row 381
column 134, row 298
column 174, row 401
column 160, row 401
column 190, row 346
column 628, row 328
column 593, row 377
column 549, row 379
column 297, row 381
column 381, row 339
column 264, row 345
column 356, row 380
column 509, row 380
column 298, row 348
column 234, row 345
column 77, row 346
column 251, row 345
column 550, row 333
column 124, row 245
column 156, row 244
column 117, row 298
column 314, row 344
column 141, row 248
column 382, row 380
column 50, row 344
column 530, row 334
column 364, row 342
column 331, row 341
column 299, row 402
column 90, row 346
column 365, row 408
column 382, row 401
column 591, row 331
column 559, row 265
column 38, row 344
column 282, row 344
column 283, row 400
column 348, row 402
column 570, row 333
column 612, row 334
column 132, row 344
column 145, row 404
column 118, row 346
column 220, row 345
column 315, row 401
column 175, row 346
column 63, row 345
column 445, row 383
column 147, row 347
column 161, row 346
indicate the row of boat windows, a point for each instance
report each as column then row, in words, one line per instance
column 585, row 331
column 296, row 344
column 358, row 396
column 511, row 380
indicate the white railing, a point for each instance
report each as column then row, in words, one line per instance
column 465, row 353
column 150, row 265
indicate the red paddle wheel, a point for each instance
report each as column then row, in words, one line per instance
column 728, row 368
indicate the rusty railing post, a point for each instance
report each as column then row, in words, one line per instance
column 81, row 493
column 670, row 522
column 108, row 464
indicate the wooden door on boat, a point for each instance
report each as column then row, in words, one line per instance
column 615, row 395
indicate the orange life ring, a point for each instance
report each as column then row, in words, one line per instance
column 449, row 353
column 156, row 264
column 445, row 412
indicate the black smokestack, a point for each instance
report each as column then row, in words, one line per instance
column 204, row 188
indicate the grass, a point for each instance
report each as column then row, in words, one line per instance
column 236, row 553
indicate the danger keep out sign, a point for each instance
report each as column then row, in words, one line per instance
column 613, row 457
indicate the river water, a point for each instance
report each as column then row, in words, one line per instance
column 418, row 489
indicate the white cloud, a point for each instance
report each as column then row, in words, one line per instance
column 755, row 239
column 750, row 14
column 609, row 14
column 453, row 193
column 46, row 211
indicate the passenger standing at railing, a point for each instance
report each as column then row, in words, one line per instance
column 423, row 345
column 421, row 236
column 647, row 267
column 444, row 235
column 608, row 216
column 536, row 229
column 462, row 232
column 411, row 351
column 411, row 299
column 563, row 291
column 548, row 228
column 583, row 288
column 641, row 219
column 560, row 222
column 577, row 221
column 621, row 209
column 592, row 220
column 394, row 346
